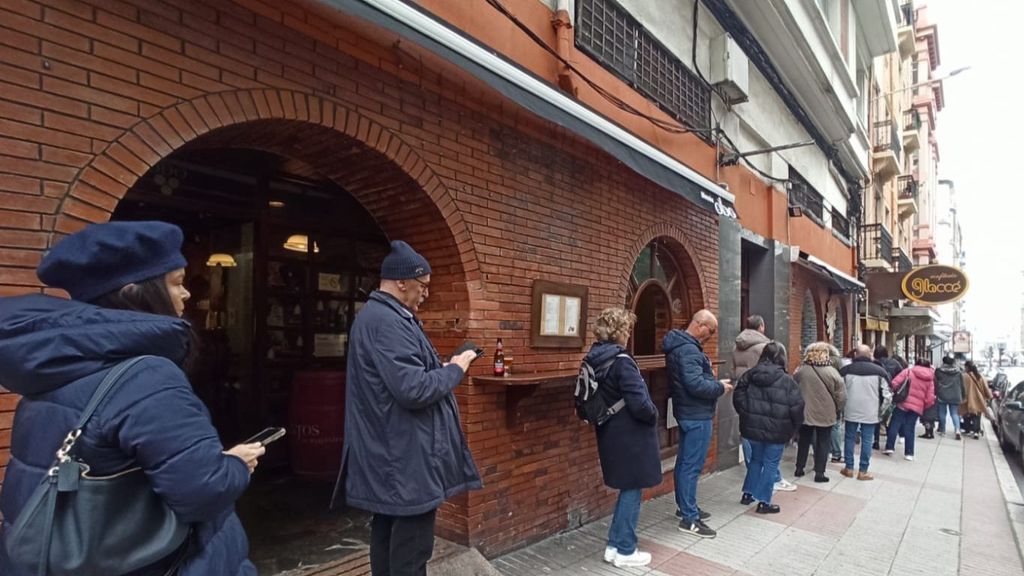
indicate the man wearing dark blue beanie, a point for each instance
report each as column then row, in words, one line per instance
column 404, row 452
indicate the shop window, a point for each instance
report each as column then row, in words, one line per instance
column 657, row 295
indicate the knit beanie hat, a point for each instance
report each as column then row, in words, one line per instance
column 105, row 257
column 403, row 263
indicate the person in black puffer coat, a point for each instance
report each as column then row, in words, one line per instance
column 771, row 409
column 627, row 443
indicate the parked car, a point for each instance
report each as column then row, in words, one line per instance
column 1010, row 420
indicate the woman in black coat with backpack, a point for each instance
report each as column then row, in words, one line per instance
column 627, row 443
column 771, row 410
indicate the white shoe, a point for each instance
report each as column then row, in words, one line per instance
column 636, row 559
column 784, row 486
column 610, row 552
column 909, row 457
column 887, row 452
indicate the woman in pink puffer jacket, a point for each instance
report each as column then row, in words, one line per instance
column 921, row 379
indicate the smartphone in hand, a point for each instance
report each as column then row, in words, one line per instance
column 266, row 436
column 468, row 345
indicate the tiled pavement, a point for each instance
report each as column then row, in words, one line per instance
column 942, row 514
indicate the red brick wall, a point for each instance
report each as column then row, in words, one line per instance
column 803, row 280
column 94, row 93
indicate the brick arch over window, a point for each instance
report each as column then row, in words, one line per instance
column 809, row 324
column 675, row 240
column 368, row 160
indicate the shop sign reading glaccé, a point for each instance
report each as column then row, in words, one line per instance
column 935, row 284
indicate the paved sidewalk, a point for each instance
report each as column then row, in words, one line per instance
column 942, row 514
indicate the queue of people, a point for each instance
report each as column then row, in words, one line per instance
column 404, row 451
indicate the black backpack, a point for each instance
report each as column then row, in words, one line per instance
column 590, row 406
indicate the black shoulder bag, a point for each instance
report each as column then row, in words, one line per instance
column 77, row 524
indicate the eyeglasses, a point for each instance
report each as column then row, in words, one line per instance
column 426, row 285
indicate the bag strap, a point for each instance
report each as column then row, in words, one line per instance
column 618, row 406
column 823, row 383
column 109, row 382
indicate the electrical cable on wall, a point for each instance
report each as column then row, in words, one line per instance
column 614, row 100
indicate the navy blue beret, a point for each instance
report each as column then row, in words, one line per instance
column 403, row 263
column 105, row 257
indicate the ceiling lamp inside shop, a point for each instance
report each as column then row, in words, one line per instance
column 300, row 243
column 222, row 260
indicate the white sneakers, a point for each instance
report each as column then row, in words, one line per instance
column 888, row 452
column 909, row 457
column 609, row 553
column 785, row 486
column 636, row 559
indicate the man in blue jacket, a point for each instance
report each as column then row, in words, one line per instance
column 404, row 450
column 694, row 395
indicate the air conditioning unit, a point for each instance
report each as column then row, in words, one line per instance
column 729, row 69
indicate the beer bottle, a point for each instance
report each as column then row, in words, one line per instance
column 499, row 360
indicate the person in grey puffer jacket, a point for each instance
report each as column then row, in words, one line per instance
column 949, row 393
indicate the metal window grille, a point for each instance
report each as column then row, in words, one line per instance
column 840, row 224
column 608, row 33
column 803, row 194
column 875, row 243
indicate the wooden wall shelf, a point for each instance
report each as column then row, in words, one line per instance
column 522, row 386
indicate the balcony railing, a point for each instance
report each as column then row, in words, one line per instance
column 875, row 243
column 802, row 194
column 911, row 119
column 900, row 261
column 907, row 187
column 887, row 137
column 906, row 14
column 840, row 223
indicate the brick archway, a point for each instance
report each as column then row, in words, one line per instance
column 684, row 254
column 370, row 161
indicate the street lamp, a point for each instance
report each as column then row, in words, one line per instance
column 929, row 82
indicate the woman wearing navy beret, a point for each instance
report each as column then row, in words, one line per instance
column 125, row 280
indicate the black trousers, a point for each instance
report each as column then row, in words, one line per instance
column 401, row 545
column 821, row 436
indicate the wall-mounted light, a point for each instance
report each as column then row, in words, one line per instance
column 300, row 243
column 275, row 204
column 222, row 260
column 795, row 211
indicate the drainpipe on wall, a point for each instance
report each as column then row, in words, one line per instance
column 562, row 22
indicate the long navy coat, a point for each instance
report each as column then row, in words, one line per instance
column 55, row 352
column 627, row 443
column 404, row 450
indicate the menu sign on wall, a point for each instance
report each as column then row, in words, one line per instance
column 935, row 284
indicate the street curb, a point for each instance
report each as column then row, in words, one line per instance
column 1008, row 484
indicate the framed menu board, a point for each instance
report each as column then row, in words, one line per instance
column 558, row 315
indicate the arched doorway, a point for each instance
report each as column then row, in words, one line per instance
column 287, row 202
column 661, row 287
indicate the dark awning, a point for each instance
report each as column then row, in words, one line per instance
column 844, row 282
column 541, row 98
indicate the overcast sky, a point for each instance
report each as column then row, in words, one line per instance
column 979, row 134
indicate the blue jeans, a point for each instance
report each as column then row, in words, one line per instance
column 867, row 435
column 903, row 423
column 745, row 444
column 837, row 436
column 622, row 532
column 694, row 440
column 762, row 470
column 954, row 414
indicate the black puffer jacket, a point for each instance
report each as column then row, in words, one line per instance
column 769, row 404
